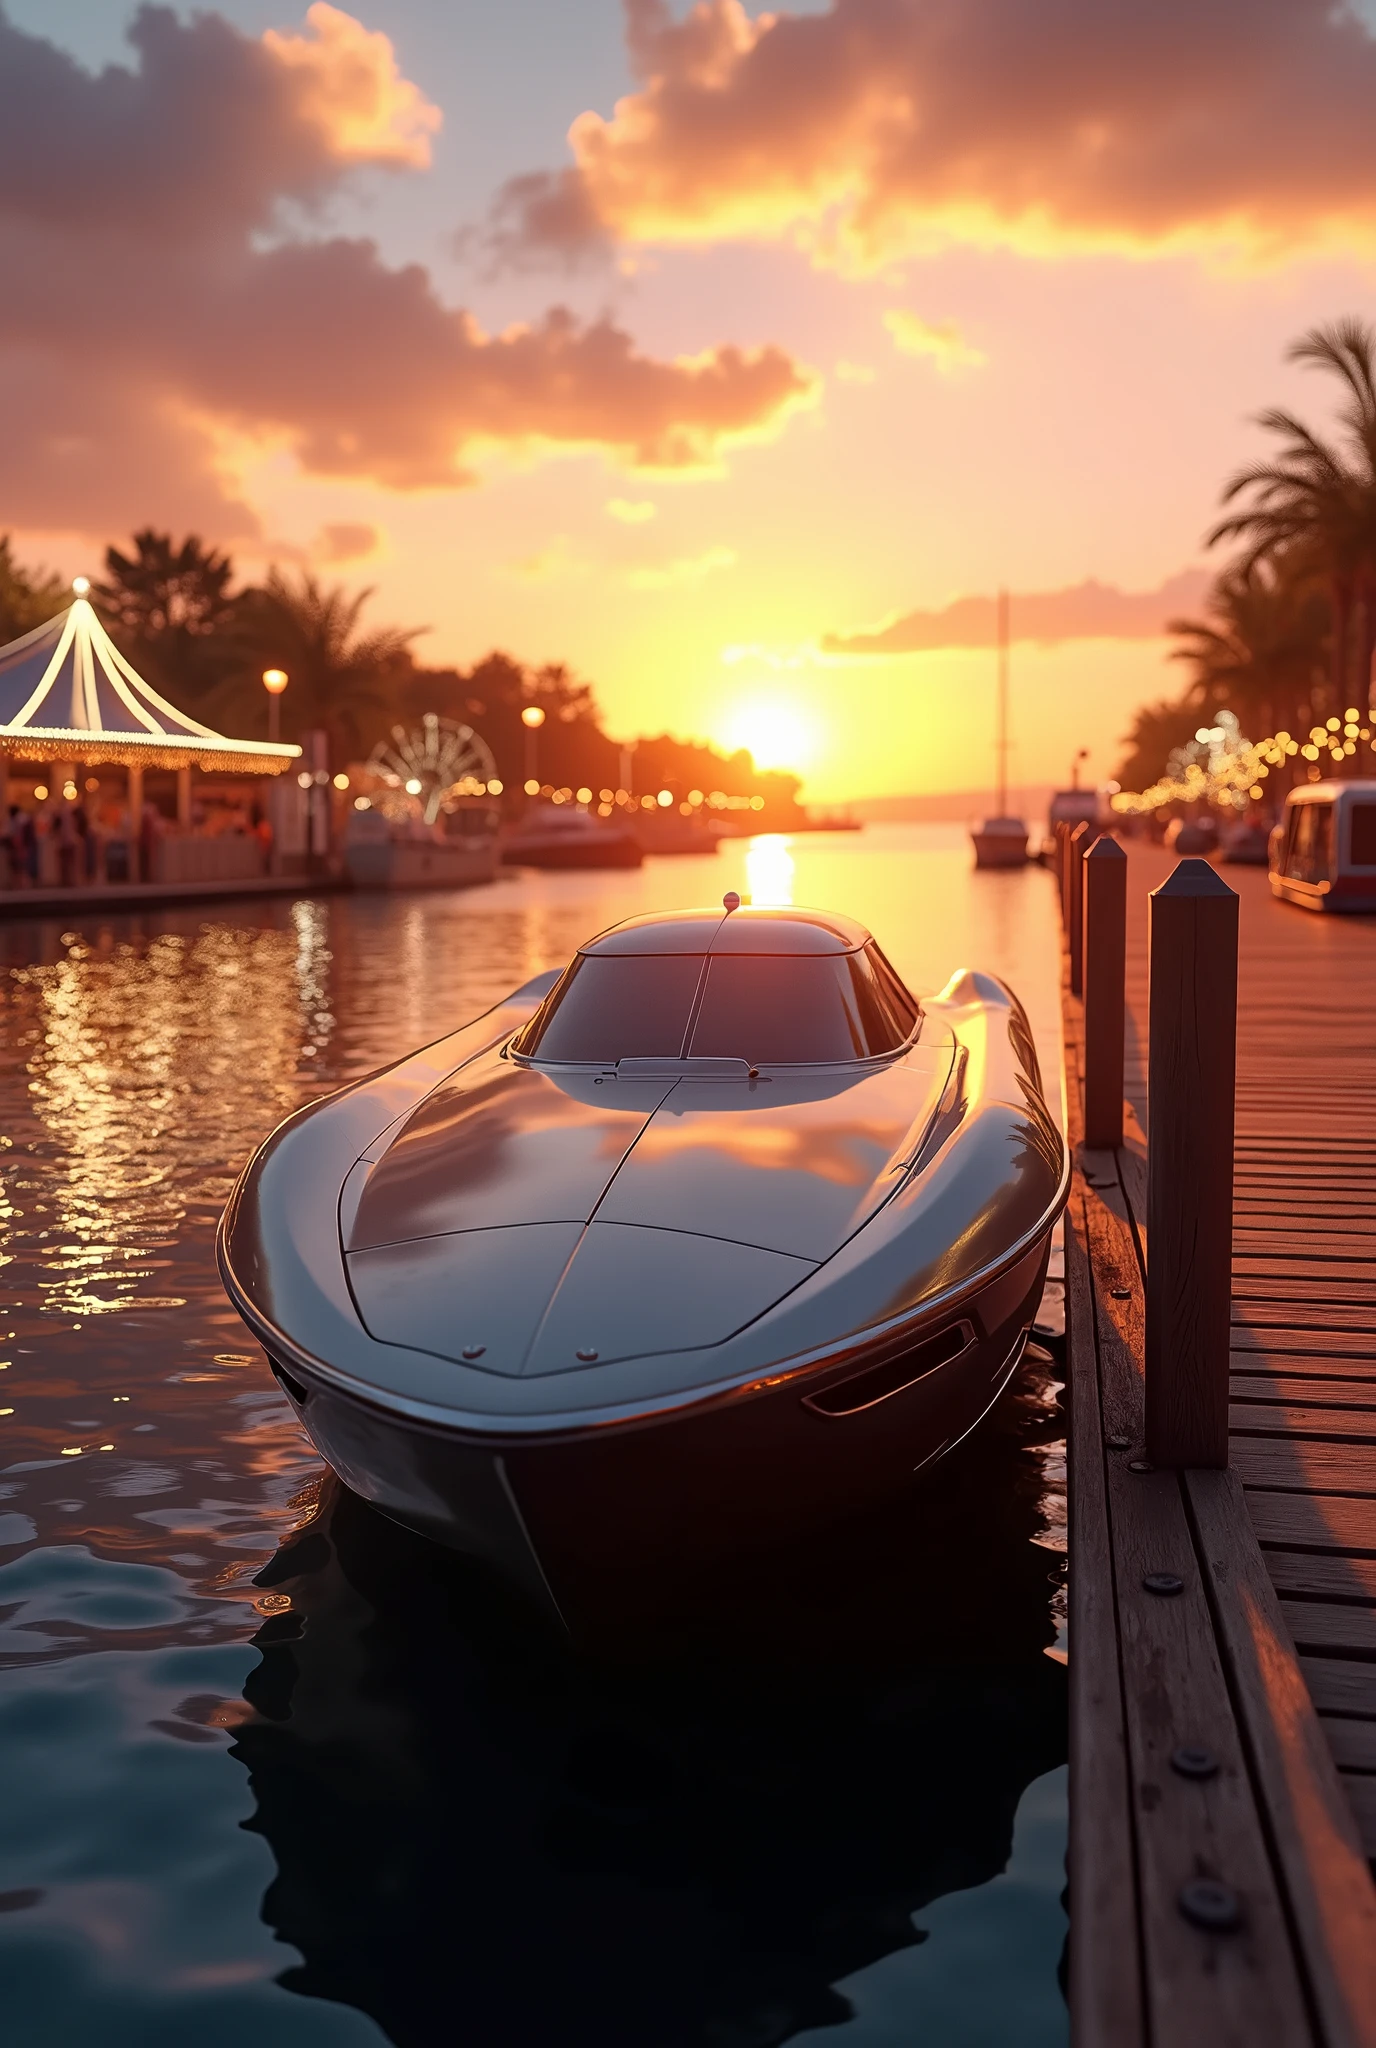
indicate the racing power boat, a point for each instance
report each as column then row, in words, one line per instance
column 716, row 1230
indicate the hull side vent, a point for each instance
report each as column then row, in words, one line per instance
column 864, row 1389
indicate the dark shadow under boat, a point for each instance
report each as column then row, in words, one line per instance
column 482, row 1836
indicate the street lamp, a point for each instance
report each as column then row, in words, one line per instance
column 274, row 682
column 532, row 718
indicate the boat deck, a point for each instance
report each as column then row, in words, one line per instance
column 1225, row 1896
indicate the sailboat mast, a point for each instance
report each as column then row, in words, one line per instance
column 1001, row 742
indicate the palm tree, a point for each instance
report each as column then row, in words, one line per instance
column 168, row 608
column 342, row 679
column 1261, row 650
column 1316, row 502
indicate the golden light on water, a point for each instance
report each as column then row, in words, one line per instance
column 769, row 869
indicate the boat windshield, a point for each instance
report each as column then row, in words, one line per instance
column 766, row 1009
column 1309, row 852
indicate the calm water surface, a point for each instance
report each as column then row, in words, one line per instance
column 277, row 1772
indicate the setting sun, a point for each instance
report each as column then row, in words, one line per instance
column 777, row 734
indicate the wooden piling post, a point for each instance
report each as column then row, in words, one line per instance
column 1103, row 969
column 1063, row 869
column 1076, row 846
column 1192, row 1052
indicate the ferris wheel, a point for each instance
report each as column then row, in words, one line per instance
column 436, row 762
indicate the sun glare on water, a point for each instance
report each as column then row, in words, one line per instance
column 777, row 734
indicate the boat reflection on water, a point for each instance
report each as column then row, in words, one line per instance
column 482, row 1836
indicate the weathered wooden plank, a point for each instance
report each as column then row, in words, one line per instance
column 1305, row 1467
column 1329, row 1889
column 1106, row 1993
column 1321, row 1626
column 1199, row 1989
column 1352, row 1742
column 1336, row 1578
column 1333, row 1425
column 1106, row 1984
column 1274, row 1277
column 1319, row 1248
column 1313, row 1521
column 1339, row 1685
column 1302, row 1357
column 1315, row 1390
column 1361, row 1791
column 1303, row 1367
column 1256, row 1333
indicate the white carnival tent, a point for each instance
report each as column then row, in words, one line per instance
column 68, row 696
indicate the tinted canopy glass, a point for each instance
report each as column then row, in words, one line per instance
column 617, row 1007
column 781, row 1011
column 767, row 1009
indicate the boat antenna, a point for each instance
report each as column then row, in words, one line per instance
column 1001, row 740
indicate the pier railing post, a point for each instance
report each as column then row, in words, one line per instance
column 1057, row 840
column 1062, row 868
column 1075, row 850
column 1104, row 966
column 1190, row 1088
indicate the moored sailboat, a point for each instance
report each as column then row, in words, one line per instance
column 1001, row 841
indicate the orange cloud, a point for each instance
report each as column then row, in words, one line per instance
column 346, row 542
column 162, row 305
column 885, row 127
column 1086, row 611
column 350, row 85
column 940, row 341
column 685, row 569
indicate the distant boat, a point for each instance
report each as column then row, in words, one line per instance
column 1001, row 841
column 665, row 831
column 559, row 836
column 829, row 821
column 406, row 853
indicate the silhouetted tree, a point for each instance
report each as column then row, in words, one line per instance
column 28, row 597
column 1156, row 731
column 1261, row 651
column 1315, row 504
column 170, row 609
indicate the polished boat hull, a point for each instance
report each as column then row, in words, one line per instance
column 598, row 1323
column 677, row 1491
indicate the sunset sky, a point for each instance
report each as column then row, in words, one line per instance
column 735, row 359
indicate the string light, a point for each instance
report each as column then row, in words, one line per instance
column 75, row 656
column 1234, row 769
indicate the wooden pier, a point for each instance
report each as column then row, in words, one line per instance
column 1223, row 1612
